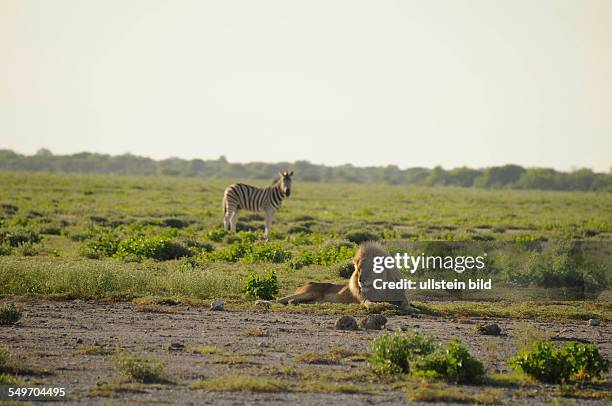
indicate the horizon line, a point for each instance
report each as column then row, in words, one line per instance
column 223, row 157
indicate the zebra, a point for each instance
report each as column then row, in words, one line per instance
column 239, row 196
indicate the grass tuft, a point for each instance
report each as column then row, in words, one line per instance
column 139, row 369
column 10, row 314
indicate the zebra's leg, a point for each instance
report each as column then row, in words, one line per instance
column 226, row 220
column 233, row 220
column 268, row 222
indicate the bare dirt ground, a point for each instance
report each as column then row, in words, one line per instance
column 56, row 335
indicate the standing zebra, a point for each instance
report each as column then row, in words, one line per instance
column 239, row 196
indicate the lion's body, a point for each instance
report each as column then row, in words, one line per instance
column 320, row 292
column 350, row 293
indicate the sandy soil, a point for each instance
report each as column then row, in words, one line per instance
column 54, row 334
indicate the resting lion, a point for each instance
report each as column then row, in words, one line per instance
column 359, row 289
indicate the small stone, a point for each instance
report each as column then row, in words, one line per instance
column 264, row 305
column 79, row 341
column 176, row 346
column 217, row 305
column 492, row 329
column 594, row 322
column 373, row 322
column 346, row 323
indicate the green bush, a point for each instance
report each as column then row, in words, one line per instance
column 328, row 255
column 197, row 245
column 572, row 363
column 392, row 353
column 232, row 253
column 101, row 245
column 139, row 369
column 296, row 264
column 16, row 236
column 418, row 354
column 264, row 252
column 345, row 269
column 305, row 238
column 256, row 287
column 27, row 249
column 217, row 234
column 456, row 364
column 358, row 237
column 159, row 248
column 268, row 253
column 51, row 229
column 10, row 314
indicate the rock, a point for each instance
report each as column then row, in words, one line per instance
column 492, row 329
column 346, row 323
column 594, row 322
column 79, row 341
column 265, row 305
column 373, row 322
column 176, row 346
column 217, row 305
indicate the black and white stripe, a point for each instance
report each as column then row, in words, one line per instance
column 246, row 197
column 239, row 196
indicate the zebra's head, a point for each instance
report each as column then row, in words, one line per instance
column 285, row 182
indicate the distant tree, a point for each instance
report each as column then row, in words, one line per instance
column 500, row 176
column 44, row 152
column 507, row 176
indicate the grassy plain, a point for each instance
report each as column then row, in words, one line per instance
column 65, row 220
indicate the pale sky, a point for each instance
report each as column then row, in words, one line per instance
column 410, row 83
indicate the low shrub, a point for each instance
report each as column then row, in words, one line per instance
column 268, row 253
column 27, row 249
column 358, row 237
column 197, row 245
column 174, row 223
column 391, row 353
column 51, row 229
column 103, row 244
column 299, row 229
column 345, row 269
column 265, row 287
column 418, row 354
column 328, row 255
column 10, row 314
column 9, row 209
column 264, row 252
column 306, row 238
column 217, row 234
column 456, row 364
column 232, row 253
column 572, row 363
column 16, row 236
column 139, row 369
column 159, row 248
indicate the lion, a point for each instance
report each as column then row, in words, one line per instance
column 359, row 288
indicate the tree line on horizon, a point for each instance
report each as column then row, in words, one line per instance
column 496, row 177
